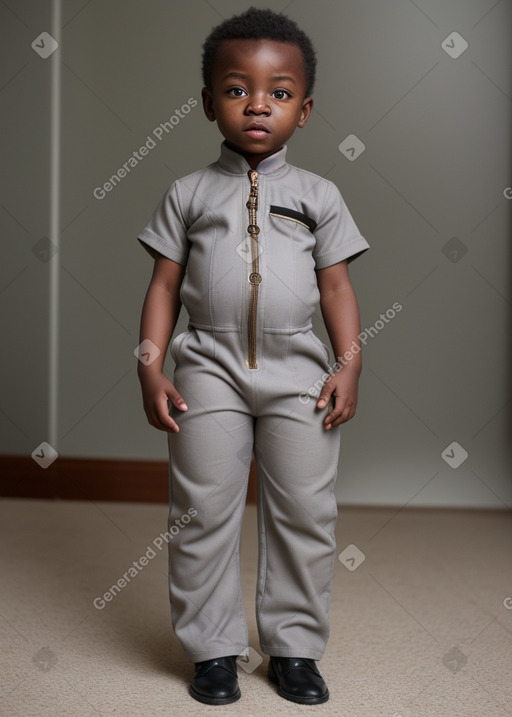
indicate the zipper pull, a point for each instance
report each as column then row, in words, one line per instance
column 252, row 202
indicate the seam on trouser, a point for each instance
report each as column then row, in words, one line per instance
column 332, row 497
column 263, row 539
column 241, row 613
column 169, row 512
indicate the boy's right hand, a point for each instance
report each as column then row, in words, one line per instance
column 156, row 390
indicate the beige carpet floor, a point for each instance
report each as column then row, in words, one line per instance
column 421, row 627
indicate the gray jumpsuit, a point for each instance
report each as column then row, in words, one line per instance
column 247, row 367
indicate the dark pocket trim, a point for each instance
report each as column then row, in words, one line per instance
column 295, row 216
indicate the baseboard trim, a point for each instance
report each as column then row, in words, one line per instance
column 92, row 479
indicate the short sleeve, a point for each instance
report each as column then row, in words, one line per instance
column 337, row 236
column 166, row 231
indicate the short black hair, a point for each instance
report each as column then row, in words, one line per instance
column 256, row 24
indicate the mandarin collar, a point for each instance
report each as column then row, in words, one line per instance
column 236, row 163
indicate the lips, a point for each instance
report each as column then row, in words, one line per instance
column 256, row 127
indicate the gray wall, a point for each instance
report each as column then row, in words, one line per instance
column 429, row 193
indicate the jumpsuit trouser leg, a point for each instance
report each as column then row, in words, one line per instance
column 231, row 411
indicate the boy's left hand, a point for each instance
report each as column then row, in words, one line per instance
column 343, row 385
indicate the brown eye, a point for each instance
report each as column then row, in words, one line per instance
column 236, row 89
column 283, row 94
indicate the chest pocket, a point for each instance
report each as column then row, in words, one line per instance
column 291, row 288
column 294, row 216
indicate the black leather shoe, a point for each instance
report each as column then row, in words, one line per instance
column 216, row 681
column 298, row 679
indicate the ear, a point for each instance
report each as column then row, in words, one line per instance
column 208, row 104
column 305, row 113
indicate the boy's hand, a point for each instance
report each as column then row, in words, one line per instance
column 156, row 390
column 343, row 385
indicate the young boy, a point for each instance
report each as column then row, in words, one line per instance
column 251, row 245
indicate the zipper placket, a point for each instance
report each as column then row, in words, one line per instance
column 255, row 276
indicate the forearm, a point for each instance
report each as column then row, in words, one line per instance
column 160, row 313
column 340, row 312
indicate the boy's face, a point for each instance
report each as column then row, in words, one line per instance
column 259, row 82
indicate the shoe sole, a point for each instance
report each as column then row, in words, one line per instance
column 293, row 698
column 214, row 700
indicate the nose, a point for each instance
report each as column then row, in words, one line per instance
column 257, row 105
